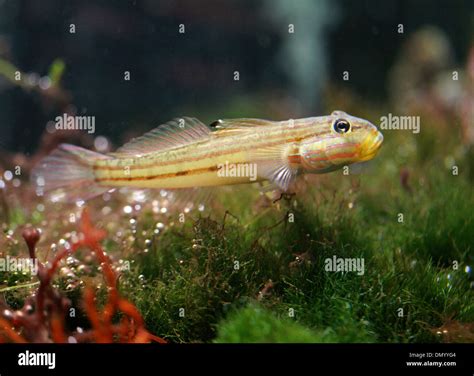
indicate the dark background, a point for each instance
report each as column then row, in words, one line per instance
column 175, row 74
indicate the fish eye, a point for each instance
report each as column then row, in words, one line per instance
column 341, row 126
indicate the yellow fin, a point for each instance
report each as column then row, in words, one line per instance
column 173, row 134
column 273, row 165
column 229, row 127
column 67, row 174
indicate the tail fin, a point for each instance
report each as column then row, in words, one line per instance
column 67, row 174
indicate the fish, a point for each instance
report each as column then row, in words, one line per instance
column 184, row 153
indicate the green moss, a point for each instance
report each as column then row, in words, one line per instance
column 407, row 266
column 199, row 281
column 254, row 324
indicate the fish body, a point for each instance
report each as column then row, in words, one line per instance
column 185, row 153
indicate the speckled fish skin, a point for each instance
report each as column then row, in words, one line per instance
column 185, row 153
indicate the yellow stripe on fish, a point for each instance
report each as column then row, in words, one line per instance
column 185, row 153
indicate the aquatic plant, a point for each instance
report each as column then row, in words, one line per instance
column 42, row 317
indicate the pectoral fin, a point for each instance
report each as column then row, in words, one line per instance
column 274, row 165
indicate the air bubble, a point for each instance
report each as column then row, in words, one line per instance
column 139, row 196
column 8, row 175
column 101, row 144
column 44, row 83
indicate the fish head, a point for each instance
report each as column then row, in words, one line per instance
column 339, row 140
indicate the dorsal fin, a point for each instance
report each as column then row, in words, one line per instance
column 173, row 134
column 228, row 127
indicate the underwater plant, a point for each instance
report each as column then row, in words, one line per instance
column 42, row 317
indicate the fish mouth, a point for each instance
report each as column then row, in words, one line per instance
column 370, row 146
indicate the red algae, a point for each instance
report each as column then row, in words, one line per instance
column 42, row 319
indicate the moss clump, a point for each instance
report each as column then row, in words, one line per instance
column 254, row 324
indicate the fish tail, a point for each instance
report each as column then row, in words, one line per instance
column 67, row 174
